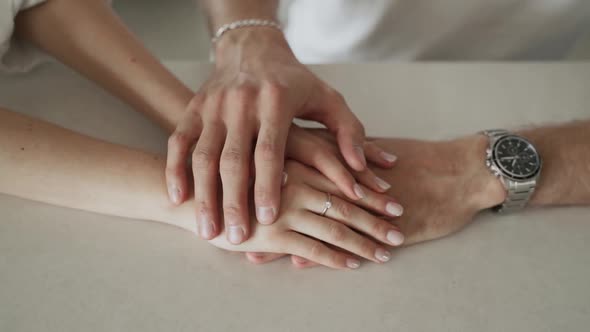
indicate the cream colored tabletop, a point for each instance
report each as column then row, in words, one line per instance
column 67, row 270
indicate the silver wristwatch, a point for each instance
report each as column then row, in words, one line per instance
column 517, row 164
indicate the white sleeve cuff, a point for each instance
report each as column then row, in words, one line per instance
column 15, row 55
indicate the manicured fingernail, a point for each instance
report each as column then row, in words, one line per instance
column 361, row 155
column 265, row 214
column 394, row 209
column 206, row 229
column 358, row 191
column 388, row 157
column 353, row 263
column 394, row 237
column 236, row 234
column 382, row 255
column 285, row 177
column 382, row 183
column 174, row 193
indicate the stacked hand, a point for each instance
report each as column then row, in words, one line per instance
column 442, row 186
column 237, row 124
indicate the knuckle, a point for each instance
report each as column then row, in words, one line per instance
column 337, row 233
column 234, row 211
column 290, row 191
column 268, row 151
column 263, row 195
column 231, row 159
column 195, row 102
column 316, row 250
column 367, row 248
column 336, row 258
column 274, row 89
column 242, row 94
column 344, row 209
column 179, row 138
column 378, row 228
column 203, row 160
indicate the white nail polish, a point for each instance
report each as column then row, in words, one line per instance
column 388, row 157
column 382, row 183
column 394, row 209
column 358, row 191
column 353, row 263
column 395, row 238
column 382, row 255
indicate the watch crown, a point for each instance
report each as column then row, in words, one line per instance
column 489, row 152
column 488, row 163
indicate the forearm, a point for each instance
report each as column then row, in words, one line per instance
column 46, row 163
column 565, row 177
column 87, row 36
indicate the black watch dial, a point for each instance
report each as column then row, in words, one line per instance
column 516, row 157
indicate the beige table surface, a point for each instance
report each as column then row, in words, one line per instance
column 67, row 270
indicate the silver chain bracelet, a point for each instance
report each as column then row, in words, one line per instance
column 244, row 24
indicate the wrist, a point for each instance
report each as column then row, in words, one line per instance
column 256, row 40
column 483, row 188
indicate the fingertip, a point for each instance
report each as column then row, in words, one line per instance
column 388, row 157
column 256, row 257
column 380, row 157
column 353, row 263
column 266, row 215
column 266, row 198
column 360, row 154
column 358, row 191
column 175, row 194
column 236, row 234
column 355, row 158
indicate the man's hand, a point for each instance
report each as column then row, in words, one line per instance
column 442, row 185
column 248, row 103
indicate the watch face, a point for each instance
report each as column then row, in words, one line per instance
column 516, row 157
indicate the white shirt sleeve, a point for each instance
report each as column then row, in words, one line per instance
column 15, row 55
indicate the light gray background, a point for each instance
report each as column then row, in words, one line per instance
column 177, row 30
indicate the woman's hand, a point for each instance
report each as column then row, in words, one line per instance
column 335, row 239
column 442, row 186
column 248, row 104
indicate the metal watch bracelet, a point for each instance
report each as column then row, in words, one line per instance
column 518, row 192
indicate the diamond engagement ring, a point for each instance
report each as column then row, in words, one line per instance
column 327, row 204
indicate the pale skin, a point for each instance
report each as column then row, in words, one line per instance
column 87, row 36
column 130, row 72
column 444, row 185
column 39, row 160
column 240, row 117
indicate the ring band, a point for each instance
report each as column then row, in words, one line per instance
column 327, row 204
